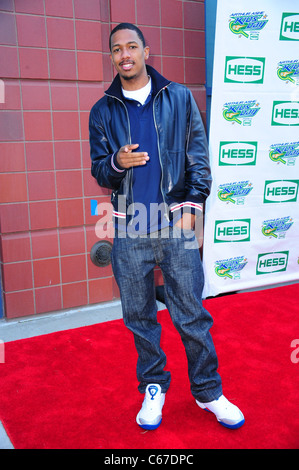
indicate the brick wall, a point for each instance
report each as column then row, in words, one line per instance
column 54, row 65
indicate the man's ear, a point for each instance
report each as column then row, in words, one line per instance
column 146, row 52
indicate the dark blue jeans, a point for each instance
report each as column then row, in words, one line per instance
column 177, row 255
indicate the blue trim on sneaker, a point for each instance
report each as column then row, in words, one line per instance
column 150, row 427
column 232, row 426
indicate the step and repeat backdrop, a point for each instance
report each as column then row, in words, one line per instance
column 252, row 215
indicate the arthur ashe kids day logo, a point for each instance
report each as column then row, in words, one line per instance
column 286, row 154
column 248, row 25
column 230, row 268
column 240, row 112
column 277, row 228
column 288, row 71
column 234, row 193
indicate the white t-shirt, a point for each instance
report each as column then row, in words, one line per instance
column 139, row 95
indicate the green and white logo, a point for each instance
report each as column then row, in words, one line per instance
column 285, row 113
column 268, row 263
column 237, row 230
column 235, row 192
column 230, row 268
column 285, row 153
column 277, row 228
column 278, row 191
column 289, row 29
column 241, row 112
column 244, row 69
column 237, row 153
column 288, row 71
column 248, row 25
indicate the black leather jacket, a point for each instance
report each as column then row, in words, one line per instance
column 182, row 144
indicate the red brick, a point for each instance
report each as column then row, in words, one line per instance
column 64, row 96
column 100, row 290
column 12, row 95
column 43, row 215
column 31, row 30
column 12, row 157
column 70, row 212
column 14, row 217
column 69, row 184
column 194, row 15
column 95, row 272
column 66, row 125
column 88, row 35
column 7, row 29
column 123, row 11
column 17, row 276
column 33, row 63
column 172, row 13
column 195, row 44
column 172, row 42
column 9, row 66
column 91, row 187
column 19, row 304
column 39, row 156
column 13, row 187
column 46, row 272
column 62, row 65
column 74, row 294
column 67, row 155
column 72, row 241
column 87, row 10
column 73, row 268
column 90, row 66
column 44, row 244
column 89, row 94
column 30, row 6
column 11, row 126
column 48, row 299
column 173, row 69
column 35, row 95
column 195, row 71
column 15, row 247
column 60, row 33
column 37, row 125
column 59, row 8
column 143, row 16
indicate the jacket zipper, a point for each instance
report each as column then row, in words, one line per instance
column 159, row 152
column 130, row 142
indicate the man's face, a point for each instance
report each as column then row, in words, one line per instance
column 128, row 55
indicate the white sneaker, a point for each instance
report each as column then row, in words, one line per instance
column 150, row 415
column 226, row 413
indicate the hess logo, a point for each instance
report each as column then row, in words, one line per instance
column 285, row 113
column 237, row 230
column 244, row 69
column 281, row 191
column 272, row 262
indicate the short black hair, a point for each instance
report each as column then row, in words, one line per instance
column 127, row 26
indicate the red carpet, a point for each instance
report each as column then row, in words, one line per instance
column 77, row 388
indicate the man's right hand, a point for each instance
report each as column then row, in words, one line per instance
column 126, row 157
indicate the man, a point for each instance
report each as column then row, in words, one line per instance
column 149, row 146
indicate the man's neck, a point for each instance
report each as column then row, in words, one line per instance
column 135, row 83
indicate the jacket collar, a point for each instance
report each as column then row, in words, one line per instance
column 158, row 82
